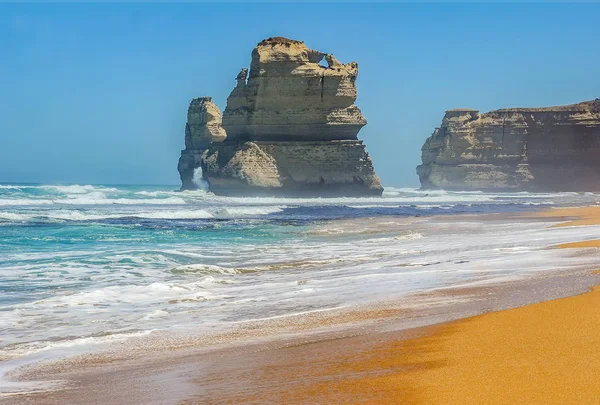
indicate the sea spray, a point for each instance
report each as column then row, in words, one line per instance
column 198, row 179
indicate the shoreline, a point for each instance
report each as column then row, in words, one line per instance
column 230, row 374
column 543, row 353
column 177, row 372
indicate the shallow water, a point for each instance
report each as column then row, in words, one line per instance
column 81, row 264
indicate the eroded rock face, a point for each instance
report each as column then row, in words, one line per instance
column 291, row 127
column 319, row 168
column 538, row 149
column 290, row 96
column 202, row 128
column 203, row 124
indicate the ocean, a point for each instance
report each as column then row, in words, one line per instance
column 85, row 265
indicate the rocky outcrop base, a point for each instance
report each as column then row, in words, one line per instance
column 326, row 168
column 189, row 160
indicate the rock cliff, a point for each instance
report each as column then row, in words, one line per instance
column 291, row 127
column 537, row 149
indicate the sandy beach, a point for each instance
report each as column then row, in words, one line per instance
column 531, row 340
column 544, row 353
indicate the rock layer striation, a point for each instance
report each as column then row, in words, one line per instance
column 291, row 129
column 289, row 96
column 536, row 149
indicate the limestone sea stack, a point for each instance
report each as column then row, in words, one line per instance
column 530, row 149
column 291, row 129
column 202, row 128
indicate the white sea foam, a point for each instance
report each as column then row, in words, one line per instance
column 263, row 281
column 102, row 200
column 107, row 278
column 65, row 189
column 11, row 216
column 408, row 236
column 96, row 199
column 170, row 193
column 79, row 215
column 69, row 345
column 248, row 211
column 196, row 214
column 86, row 195
column 24, row 201
column 77, row 189
column 203, row 269
column 119, row 296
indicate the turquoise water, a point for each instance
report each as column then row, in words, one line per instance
column 80, row 262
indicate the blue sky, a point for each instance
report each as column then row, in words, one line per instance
column 97, row 93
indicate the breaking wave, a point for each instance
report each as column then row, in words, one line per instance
column 79, row 263
column 187, row 214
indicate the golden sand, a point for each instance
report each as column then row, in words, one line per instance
column 546, row 353
column 574, row 216
column 594, row 243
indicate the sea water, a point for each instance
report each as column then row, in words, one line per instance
column 83, row 263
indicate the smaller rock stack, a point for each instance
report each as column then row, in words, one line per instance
column 202, row 128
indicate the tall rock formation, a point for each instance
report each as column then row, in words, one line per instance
column 536, row 149
column 291, row 128
column 202, row 128
column 289, row 96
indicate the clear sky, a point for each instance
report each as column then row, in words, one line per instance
column 93, row 93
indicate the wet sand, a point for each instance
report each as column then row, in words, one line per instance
column 545, row 353
column 535, row 353
column 364, row 362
